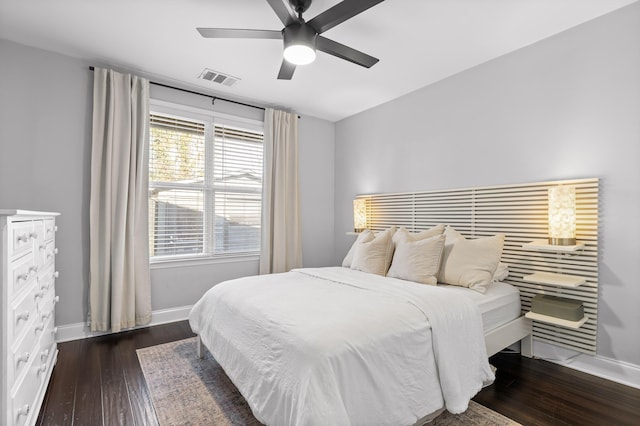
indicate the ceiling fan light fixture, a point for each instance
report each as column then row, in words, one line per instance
column 301, row 39
column 299, row 44
column 299, row 54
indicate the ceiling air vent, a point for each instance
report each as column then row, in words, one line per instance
column 218, row 77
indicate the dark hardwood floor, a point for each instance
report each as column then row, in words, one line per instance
column 538, row 392
column 98, row 381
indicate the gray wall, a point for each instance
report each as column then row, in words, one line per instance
column 566, row 107
column 45, row 154
column 45, row 150
column 316, row 196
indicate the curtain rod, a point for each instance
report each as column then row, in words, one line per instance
column 213, row 98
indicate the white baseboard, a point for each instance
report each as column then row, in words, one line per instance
column 82, row 331
column 600, row 366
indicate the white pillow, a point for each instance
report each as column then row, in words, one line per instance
column 374, row 256
column 363, row 237
column 452, row 235
column 417, row 260
column 502, row 272
column 471, row 263
column 402, row 233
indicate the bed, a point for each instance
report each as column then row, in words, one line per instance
column 340, row 346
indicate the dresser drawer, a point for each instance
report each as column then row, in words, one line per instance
column 23, row 350
column 21, row 238
column 47, row 341
column 38, row 230
column 24, row 393
column 45, row 302
column 46, row 278
column 46, row 305
column 45, row 254
column 50, row 229
column 50, row 252
column 22, row 272
column 23, row 313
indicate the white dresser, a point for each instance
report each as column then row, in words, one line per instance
column 28, row 299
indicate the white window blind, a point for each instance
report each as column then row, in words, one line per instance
column 205, row 187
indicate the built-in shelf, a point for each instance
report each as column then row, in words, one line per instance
column 557, row 321
column 543, row 245
column 549, row 278
column 352, row 233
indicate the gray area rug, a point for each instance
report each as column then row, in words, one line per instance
column 186, row 390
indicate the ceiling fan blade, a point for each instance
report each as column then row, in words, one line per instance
column 238, row 33
column 284, row 12
column 339, row 13
column 345, row 52
column 286, row 70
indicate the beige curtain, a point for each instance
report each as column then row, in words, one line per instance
column 120, row 294
column 281, row 248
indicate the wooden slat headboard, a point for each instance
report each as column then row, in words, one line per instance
column 520, row 212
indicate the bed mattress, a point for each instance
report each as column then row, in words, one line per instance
column 499, row 305
column 337, row 346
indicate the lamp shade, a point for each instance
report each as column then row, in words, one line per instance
column 299, row 44
column 359, row 214
column 562, row 215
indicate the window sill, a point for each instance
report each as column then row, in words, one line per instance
column 177, row 262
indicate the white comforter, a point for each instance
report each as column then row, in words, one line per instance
column 333, row 346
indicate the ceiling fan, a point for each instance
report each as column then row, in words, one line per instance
column 301, row 38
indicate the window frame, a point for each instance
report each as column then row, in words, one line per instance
column 210, row 118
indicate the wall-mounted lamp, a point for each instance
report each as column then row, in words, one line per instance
column 359, row 214
column 562, row 215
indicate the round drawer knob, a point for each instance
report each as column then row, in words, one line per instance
column 56, row 299
column 24, row 410
column 23, row 358
column 56, row 274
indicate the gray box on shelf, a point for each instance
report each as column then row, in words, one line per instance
column 559, row 307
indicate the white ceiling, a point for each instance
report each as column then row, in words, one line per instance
column 418, row 43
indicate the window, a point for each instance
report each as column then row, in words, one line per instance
column 205, row 186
